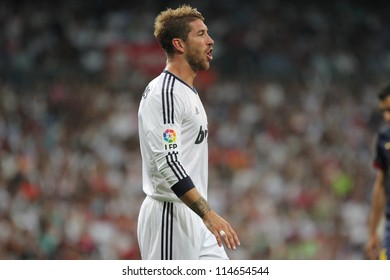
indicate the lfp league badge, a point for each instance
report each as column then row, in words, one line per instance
column 169, row 136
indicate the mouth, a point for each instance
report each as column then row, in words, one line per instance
column 209, row 55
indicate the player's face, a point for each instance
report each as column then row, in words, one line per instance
column 384, row 107
column 199, row 46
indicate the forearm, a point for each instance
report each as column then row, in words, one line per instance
column 221, row 229
column 377, row 208
column 196, row 202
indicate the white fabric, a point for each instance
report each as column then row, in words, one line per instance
column 174, row 233
column 169, row 104
column 173, row 132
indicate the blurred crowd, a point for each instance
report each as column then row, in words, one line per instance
column 291, row 102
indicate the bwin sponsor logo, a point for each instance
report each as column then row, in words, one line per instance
column 201, row 135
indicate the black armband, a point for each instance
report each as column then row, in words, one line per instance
column 182, row 186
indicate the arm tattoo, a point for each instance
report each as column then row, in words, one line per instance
column 200, row 207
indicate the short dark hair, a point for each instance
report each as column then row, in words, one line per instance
column 384, row 93
column 171, row 24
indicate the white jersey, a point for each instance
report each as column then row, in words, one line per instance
column 173, row 139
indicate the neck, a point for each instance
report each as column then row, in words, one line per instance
column 180, row 67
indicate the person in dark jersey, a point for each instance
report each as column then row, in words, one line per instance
column 380, row 200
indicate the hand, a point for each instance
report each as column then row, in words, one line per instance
column 373, row 247
column 222, row 230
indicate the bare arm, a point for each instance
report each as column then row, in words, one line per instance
column 212, row 220
column 376, row 213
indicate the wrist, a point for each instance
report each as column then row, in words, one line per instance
column 207, row 215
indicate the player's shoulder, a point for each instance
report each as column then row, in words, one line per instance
column 384, row 132
column 165, row 83
column 151, row 89
column 167, row 89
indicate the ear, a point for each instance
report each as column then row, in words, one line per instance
column 178, row 44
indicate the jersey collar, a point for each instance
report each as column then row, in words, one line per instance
column 192, row 88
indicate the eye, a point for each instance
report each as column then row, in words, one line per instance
column 202, row 33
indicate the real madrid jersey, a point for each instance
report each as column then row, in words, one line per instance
column 173, row 139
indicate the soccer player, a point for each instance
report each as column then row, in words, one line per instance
column 380, row 201
column 175, row 220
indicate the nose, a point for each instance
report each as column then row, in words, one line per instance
column 210, row 41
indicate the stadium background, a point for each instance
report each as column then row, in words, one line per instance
column 291, row 101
